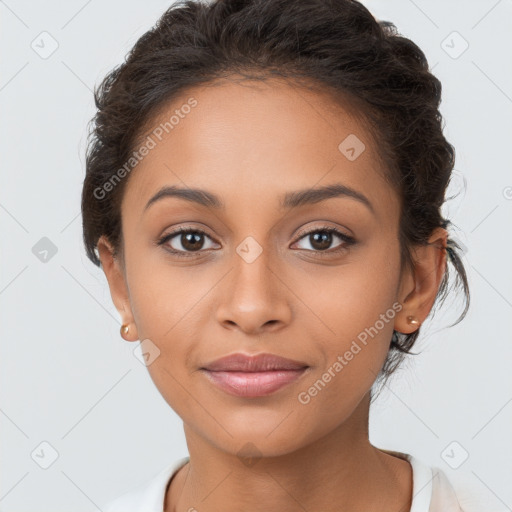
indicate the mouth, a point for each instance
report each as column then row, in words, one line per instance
column 253, row 384
column 252, row 376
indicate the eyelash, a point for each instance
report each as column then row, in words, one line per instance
column 348, row 240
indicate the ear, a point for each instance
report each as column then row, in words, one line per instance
column 420, row 285
column 117, row 283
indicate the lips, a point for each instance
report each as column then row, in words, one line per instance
column 258, row 363
column 253, row 376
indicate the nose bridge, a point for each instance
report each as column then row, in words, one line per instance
column 252, row 269
column 254, row 296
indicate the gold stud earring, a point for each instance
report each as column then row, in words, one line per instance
column 412, row 320
column 125, row 328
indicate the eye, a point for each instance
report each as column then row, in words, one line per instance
column 192, row 240
column 320, row 239
column 188, row 240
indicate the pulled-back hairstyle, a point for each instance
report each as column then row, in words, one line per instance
column 337, row 45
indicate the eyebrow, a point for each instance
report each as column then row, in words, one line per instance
column 289, row 200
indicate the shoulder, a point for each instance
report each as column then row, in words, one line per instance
column 148, row 496
column 443, row 493
column 432, row 491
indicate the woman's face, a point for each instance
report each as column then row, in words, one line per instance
column 256, row 282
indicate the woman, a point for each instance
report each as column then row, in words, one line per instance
column 263, row 192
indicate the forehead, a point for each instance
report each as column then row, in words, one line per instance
column 249, row 140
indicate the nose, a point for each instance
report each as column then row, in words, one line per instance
column 255, row 299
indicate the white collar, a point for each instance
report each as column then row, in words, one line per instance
column 432, row 492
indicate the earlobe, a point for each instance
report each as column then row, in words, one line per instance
column 118, row 287
column 421, row 284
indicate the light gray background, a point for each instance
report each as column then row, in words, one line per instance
column 67, row 377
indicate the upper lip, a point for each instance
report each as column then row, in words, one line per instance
column 256, row 363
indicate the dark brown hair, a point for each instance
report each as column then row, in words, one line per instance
column 337, row 45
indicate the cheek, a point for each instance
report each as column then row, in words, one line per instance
column 347, row 301
column 163, row 295
column 354, row 322
column 168, row 305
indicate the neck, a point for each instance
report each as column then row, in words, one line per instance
column 339, row 471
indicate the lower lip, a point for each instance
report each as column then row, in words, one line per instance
column 253, row 384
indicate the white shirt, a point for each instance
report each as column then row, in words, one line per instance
column 432, row 492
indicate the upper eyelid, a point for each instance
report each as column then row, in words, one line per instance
column 307, row 231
